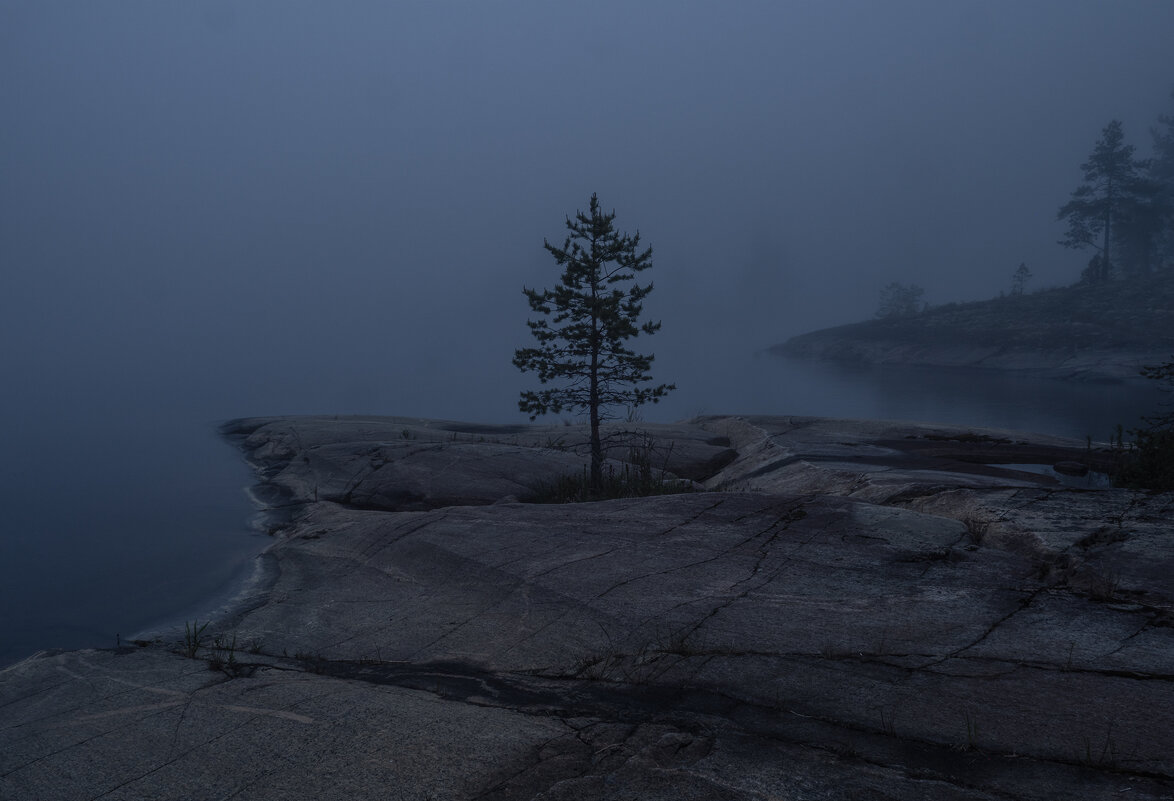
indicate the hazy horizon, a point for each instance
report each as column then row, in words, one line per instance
column 233, row 209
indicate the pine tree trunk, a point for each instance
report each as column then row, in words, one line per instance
column 596, row 446
column 1106, row 265
column 593, row 410
column 1105, row 252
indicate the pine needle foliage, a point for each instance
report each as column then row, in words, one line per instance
column 1112, row 192
column 585, row 324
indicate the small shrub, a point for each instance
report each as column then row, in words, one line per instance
column 223, row 654
column 627, row 482
column 638, row 478
column 1147, row 462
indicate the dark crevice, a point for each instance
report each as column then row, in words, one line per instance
column 567, row 698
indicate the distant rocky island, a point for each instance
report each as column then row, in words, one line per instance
column 825, row 609
column 1085, row 332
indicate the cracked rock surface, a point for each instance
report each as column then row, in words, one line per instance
column 837, row 610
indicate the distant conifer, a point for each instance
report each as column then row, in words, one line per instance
column 1019, row 279
column 1112, row 192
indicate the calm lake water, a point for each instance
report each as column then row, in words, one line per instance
column 766, row 384
column 134, row 521
column 111, row 530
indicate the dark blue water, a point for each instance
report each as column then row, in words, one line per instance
column 119, row 520
column 111, row 529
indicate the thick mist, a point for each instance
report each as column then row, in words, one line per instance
column 235, row 208
column 213, row 209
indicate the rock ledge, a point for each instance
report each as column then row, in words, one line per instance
column 838, row 610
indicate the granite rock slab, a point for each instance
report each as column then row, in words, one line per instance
column 836, row 610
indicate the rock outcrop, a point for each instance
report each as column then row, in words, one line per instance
column 1103, row 332
column 837, row 610
column 852, row 346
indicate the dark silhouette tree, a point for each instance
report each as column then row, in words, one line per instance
column 587, row 320
column 1111, row 189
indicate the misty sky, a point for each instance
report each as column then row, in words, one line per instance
column 274, row 206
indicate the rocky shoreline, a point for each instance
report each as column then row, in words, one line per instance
column 836, row 609
column 1096, row 332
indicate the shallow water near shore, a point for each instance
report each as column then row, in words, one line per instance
column 140, row 521
column 110, row 531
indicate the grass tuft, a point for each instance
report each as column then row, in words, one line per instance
column 193, row 638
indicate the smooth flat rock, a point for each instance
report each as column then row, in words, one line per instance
column 840, row 610
column 410, row 464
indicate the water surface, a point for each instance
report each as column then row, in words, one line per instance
column 763, row 383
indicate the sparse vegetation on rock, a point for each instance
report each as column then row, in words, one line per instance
column 637, row 477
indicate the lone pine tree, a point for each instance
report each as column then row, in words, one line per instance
column 586, row 321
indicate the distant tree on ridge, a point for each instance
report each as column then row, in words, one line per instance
column 1020, row 278
column 898, row 300
column 1100, row 208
